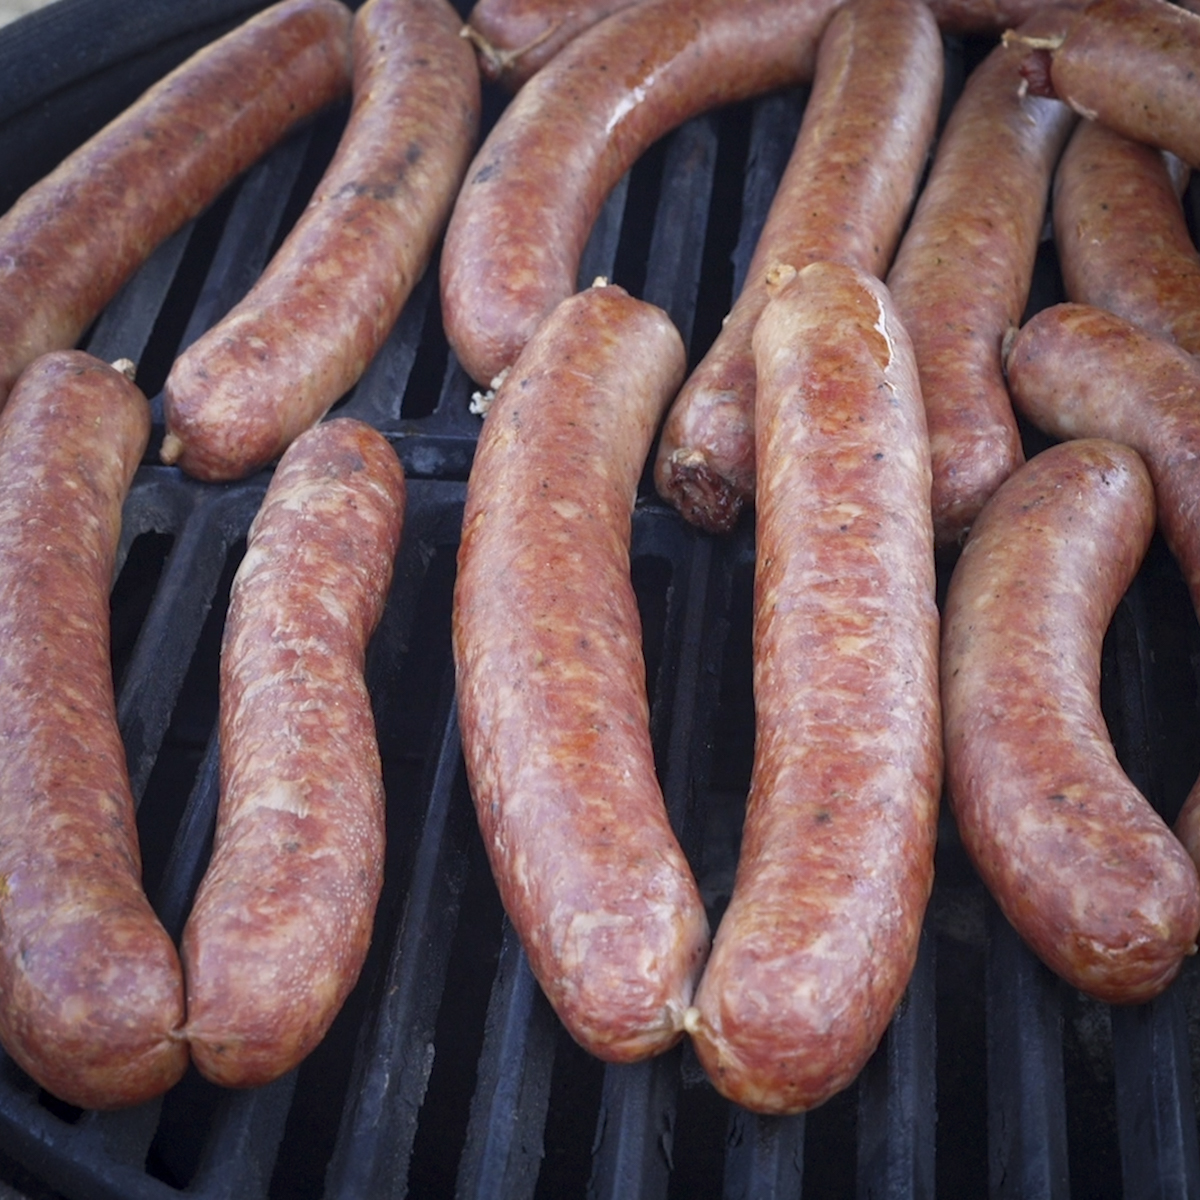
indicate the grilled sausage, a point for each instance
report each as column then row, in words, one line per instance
column 515, row 38
column 306, row 331
column 70, row 242
column 91, row 996
column 836, row 866
column 532, row 193
column 963, row 270
column 551, row 682
column 283, row 916
column 844, row 196
column 1076, row 371
column 1121, row 234
column 1081, row 865
column 1130, row 64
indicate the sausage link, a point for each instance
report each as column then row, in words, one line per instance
column 1131, row 65
column 1081, row 865
column 836, row 865
column 283, row 916
column 551, row 681
column 304, row 334
column 844, row 196
column 1121, row 234
column 1076, row 371
column 963, row 270
column 532, row 193
column 91, row 996
column 70, row 242
column 515, row 38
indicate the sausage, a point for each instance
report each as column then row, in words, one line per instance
column 963, row 270
column 326, row 302
column 1121, row 234
column 551, row 680
column 1076, row 371
column 820, row 937
column 91, row 995
column 70, row 241
column 515, row 38
column 980, row 17
column 1083, row 868
column 844, row 195
column 533, row 191
column 1129, row 64
column 283, row 916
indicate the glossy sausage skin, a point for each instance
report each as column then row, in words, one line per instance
column 283, row 917
column 533, row 191
column 820, row 937
column 963, row 271
column 1081, row 865
column 1130, row 64
column 1076, row 371
column 1121, row 235
column 70, row 242
column 844, row 196
column 304, row 334
column 91, row 996
column 552, row 683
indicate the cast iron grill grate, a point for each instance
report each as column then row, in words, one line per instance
column 447, row 1073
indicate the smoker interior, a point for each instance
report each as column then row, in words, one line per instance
column 446, row 1073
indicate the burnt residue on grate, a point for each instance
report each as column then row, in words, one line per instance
column 447, row 1074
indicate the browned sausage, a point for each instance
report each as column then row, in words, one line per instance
column 91, row 996
column 70, row 242
column 963, row 270
column 515, row 38
column 1121, row 234
column 844, row 196
column 283, row 917
column 820, row 936
column 532, row 193
column 1130, row 64
column 552, row 685
column 990, row 16
column 1076, row 371
column 1081, row 865
column 306, row 331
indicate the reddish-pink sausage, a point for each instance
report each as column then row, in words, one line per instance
column 283, row 917
column 1082, row 866
column 820, row 936
column 552, row 683
column 91, row 995
column 70, row 242
column 305, row 332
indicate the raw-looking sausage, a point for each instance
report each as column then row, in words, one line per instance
column 283, row 916
column 91, row 995
column 306, row 331
column 1130, row 64
column 1081, row 865
column 552, row 683
column 844, row 196
column 1121, row 234
column 1076, row 371
column 532, row 193
column 963, row 270
column 70, row 241
column 515, row 38
column 836, row 865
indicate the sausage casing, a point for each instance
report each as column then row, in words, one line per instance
column 283, row 916
column 91, row 996
column 836, row 866
column 1079, row 862
column 551, row 679
column 70, row 241
column 304, row 334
